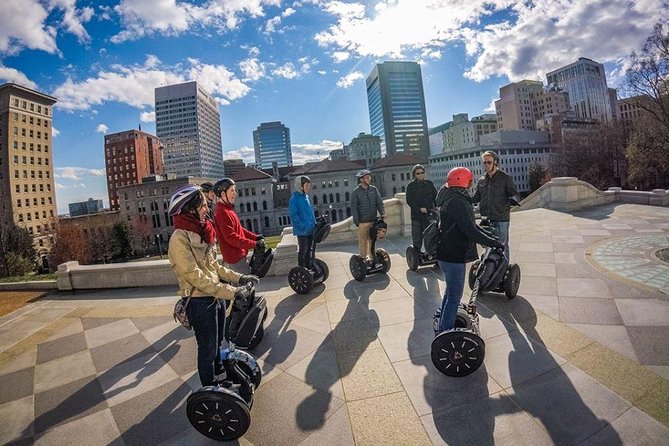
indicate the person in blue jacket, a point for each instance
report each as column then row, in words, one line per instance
column 302, row 215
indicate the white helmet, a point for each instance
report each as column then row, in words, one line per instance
column 299, row 182
column 182, row 196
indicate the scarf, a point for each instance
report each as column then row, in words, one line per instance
column 188, row 222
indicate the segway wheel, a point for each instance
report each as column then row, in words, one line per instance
column 323, row 267
column 383, row 257
column 358, row 268
column 300, row 280
column 413, row 258
column 471, row 278
column 218, row 413
column 457, row 352
column 512, row 281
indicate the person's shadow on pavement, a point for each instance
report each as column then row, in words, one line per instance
column 355, row 331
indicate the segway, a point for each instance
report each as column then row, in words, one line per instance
column 460, row 351
column 222, row 411
column 261, row 259
column 502, row 276
column 244, row 326
column 380, row 263
column 415, row 258
column 302, row 279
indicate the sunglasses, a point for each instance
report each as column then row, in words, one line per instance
column 487, row 162
column 420, row 173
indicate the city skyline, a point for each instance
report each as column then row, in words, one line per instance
column 302, row 63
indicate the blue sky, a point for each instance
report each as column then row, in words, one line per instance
column 301, row 62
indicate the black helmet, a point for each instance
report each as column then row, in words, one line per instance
column 206, row 187
column 223, row 185
column 362, row 173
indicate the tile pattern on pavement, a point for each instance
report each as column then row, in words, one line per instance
column 578, row 357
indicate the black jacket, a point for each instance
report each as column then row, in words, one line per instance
column 458, row 230
column 365, row 203
column 420, row 194
column 493, row 194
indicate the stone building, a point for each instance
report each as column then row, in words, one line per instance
column 392, row 174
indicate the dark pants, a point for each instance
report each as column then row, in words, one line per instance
column 418, row 225
column 305, row 250
column 454, row 276
column 208, row 320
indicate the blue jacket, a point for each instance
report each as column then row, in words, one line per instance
column 301, row 214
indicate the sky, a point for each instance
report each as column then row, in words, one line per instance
column 303, row 63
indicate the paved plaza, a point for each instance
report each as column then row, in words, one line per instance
column 580, row 356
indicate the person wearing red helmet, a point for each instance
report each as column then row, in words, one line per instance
column 458, row 236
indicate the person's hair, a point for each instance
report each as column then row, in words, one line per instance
column 206, row 187
column 415, row 168
column 494, row 156
column 199, row 199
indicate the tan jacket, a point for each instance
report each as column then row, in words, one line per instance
column 198, row 272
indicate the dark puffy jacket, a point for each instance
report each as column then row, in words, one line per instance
column 420, row 194
column 365, row 203
column 493, row 193
column 458, row 231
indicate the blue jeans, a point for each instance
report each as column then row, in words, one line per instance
column 454, row 276
column 503, row 231
column 207, row 318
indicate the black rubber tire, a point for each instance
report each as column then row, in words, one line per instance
column 217, row 414
column 413, row 258
column 383, row 257
column 471, row 277
column 457, row 352
column 358, row 268
column 512, row 281
column 300, row 279
column 324, row 267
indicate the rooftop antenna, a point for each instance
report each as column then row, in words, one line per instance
column 140, row 127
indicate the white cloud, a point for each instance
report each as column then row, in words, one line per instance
column 340, row 56
column 135, row 85
column 322, row 72
column 286, row 70
column 252, row 69
column 491, row 107
column 101, row 128
column 73, row 19
column 77, row 173
column 54, row 132
column 549, row 34
column 348, row 80
column 169, row 17
column 288, row 12
column 304, row 153
column 147, row 116
column 246, row 153
column 14, row 75
column 272, row 24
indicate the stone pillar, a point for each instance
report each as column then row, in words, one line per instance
column 63, row 277
column 405, row 214
column 659, row 197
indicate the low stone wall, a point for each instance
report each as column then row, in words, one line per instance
column 73, row 276
column 570, row 194
column 32, row 285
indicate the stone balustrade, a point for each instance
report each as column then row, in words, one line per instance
column 562, row 194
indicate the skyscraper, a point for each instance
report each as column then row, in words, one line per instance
column 129, row 157
column 397, row 107
column 522, row 104
column 585, row 82
column 188, row 124
column 271, row 141
column 27, row 192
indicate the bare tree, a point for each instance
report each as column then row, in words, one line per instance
column 142, row 234
column 69, row 244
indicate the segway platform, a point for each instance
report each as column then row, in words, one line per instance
column 302, row 279
column 380, row 263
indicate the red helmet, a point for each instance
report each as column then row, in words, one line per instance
column 459, row 177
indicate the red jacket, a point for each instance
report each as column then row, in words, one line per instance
column 233, row 239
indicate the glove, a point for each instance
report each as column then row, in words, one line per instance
column 246, row 278
column 260, row 244
column 259, row 237
column 499, row 245
column 241, row 293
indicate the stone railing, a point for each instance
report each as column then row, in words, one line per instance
column 570, row 194
column 73, row 276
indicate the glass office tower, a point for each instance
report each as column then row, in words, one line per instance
column 397, row 108
column 189, row 126
column 585, row 82
column 271, row 142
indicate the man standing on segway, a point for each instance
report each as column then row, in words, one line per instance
column 420, row 196
column 493, row 191
column 366, row 201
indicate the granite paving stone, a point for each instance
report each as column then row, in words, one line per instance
column 16, row 385
column 584, row 310
column 17, row 421
column 97, row 428
column 63, row 370
column 60, row 347
column 109, row 332
column 650, row 344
